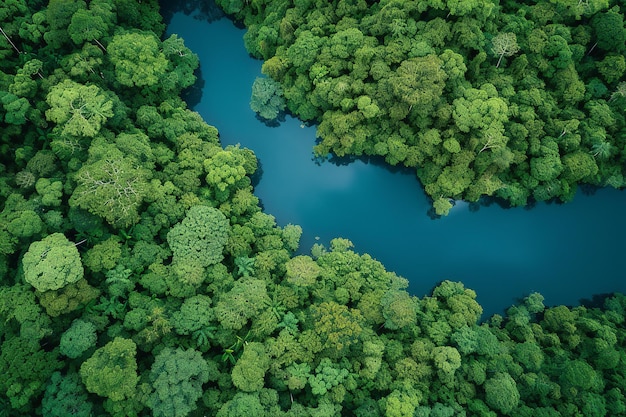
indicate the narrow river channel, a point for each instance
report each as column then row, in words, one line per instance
column 566, row 252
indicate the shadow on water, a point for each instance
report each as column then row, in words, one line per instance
column 596, row 301
column 193, row 95
column 255, row 178
column 272, row 122
column 205, row 10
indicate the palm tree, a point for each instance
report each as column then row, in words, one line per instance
column 601, row 150
column 245, row 266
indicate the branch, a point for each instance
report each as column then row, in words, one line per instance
column 10, row 41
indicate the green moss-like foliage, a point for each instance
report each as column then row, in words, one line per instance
column 501, row 84
column 80, row 337
column 52, row 263
column 193, row 301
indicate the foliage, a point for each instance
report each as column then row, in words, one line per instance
column 267, row 98
column 79, row 110
column 65, row 395
column 112, row 370
column 80, row 337
column 177, row 377
column 200, row 237
column 193, row 301
column 412, row 83
column 52, row 263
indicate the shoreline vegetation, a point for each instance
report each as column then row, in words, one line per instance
column 522, row 102
column 140, row 277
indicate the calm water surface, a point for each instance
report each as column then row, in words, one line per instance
column 566, row 252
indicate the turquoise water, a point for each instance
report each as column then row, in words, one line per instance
column 566, row 252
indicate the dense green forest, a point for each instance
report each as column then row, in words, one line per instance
column 522, row 101
column 140, row 277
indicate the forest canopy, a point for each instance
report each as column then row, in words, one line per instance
column 139, row 275
column 519, row 101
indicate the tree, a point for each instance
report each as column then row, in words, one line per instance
column 242, row 404
column 80, row 337
column 546, row 168
column 399, row 309
column 447, row 360
column 177, row 377
column 225, row 169
column 103, row 256
column 247, row 299
column 578, row 166
column 112, row 370
column 402, row 403
column 248, row 374
column 16, row 108
column 26, row 369
column 26, row 224
column 418, row 83
column 501, row 393
column 200, row 237
column 66, row 396
column 529, row 354
column 338, row 326
column 50, row 191
column 602, row 150
column 245, row 266
column 612, row 67
column 442, row 206
column 195, row 314
column 302, row 271
column 92, row 24
column 327, row 375
column 577, row 377
column 52, row 263
column 303, row 52
column 19, row 308
column 58, row 15
column 267, row 98
column 68, row 299
column 182, row 64
column 111, row 186
column 504, row 44
column 609, row 30
column 137, row 58
column 79, row 110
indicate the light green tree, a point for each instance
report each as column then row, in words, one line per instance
column 501, row 393
column 247, row 299
column 78, row 110
column 249, row 372
column 52, row 263
column 137, row 58
column 93, row 24
column 225, row 169
column 112, row 187
column 302, row 271
column 112, row 370
column 200, row 237
column 504, row 44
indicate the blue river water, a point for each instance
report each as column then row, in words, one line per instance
column 568, row 253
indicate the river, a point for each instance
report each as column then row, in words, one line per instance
column 567, row 252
